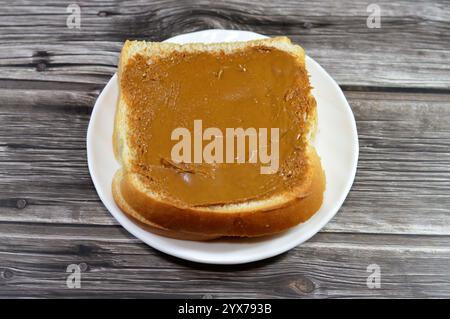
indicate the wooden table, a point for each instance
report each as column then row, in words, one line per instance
column 397, row 215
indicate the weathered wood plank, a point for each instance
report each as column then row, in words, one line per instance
column 397, row 215
column 409, row 50
column 34, row 259
column 401, row 185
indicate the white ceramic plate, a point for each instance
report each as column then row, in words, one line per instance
column 336, row 143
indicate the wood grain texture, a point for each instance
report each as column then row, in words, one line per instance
column 409, row 50
column 397, row 80
column 404, row 163
column 329, row 265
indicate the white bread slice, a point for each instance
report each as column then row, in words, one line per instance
column 247, row 219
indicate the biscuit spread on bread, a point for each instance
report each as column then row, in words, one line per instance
column 252, row 87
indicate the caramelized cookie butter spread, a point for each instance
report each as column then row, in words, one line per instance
column 257, row 87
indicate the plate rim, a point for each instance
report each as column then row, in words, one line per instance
column 240, row 259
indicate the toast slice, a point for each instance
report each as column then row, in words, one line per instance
column 262, row 84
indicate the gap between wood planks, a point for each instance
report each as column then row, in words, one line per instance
column 95, row 89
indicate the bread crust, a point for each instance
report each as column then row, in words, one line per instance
column 250, row 219
column 205, row 224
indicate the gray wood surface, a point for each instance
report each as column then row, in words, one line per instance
column 397, row 215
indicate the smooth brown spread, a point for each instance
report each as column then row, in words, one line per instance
column 259, row 87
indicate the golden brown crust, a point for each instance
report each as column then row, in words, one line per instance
column 188, row 223
column 146, row 224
